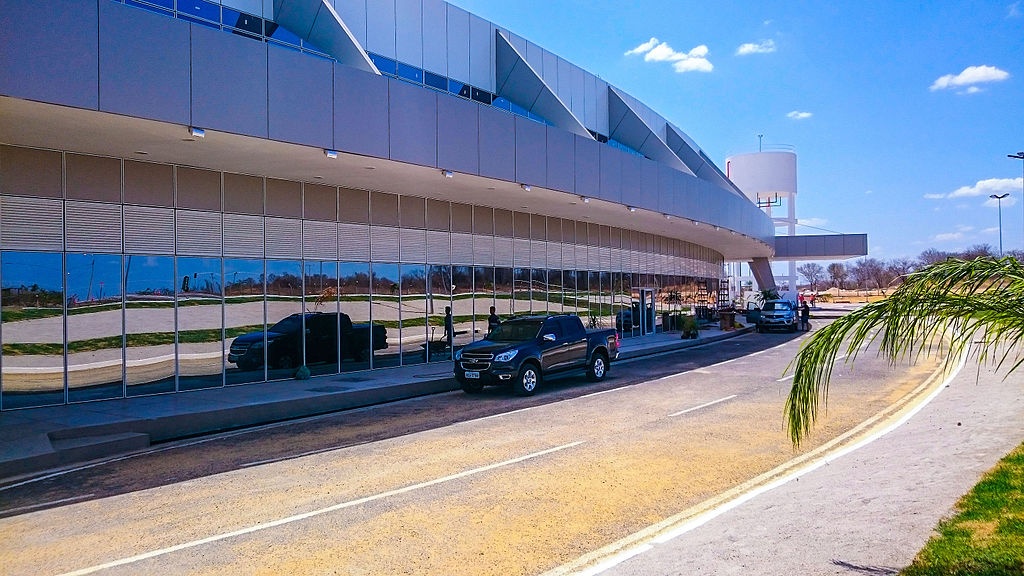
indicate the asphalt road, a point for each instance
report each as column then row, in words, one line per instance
column 448, row 484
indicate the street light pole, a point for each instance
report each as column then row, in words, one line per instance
column 999, row 202
column 1019, row 156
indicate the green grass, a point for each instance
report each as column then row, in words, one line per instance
column 986, row 537
column 133, row 340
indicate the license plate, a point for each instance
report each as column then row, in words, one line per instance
column 472, row 375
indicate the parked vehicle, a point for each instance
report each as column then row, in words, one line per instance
column 523, row 351
column 778, row 315
column 283, row 341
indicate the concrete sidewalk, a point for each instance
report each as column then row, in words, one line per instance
column 37, row 439
column 866, row 512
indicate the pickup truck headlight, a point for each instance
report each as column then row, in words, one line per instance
column 458, row 355
column 506, row 356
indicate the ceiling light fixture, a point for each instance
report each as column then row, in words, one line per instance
column 585, row 199
column 526, row 187
column 447, row 173
column 196, row 132
column 332, row 154
column 631, row 208
column 668, row 216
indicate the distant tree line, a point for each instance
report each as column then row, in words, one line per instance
column 882, row 275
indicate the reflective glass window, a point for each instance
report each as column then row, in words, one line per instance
column 521, row 294
column 385, row 303
column 503, row 288
column 285, row 322
column 384, row 65
column 165, row 7
column 32, row 317
column 481, row 96
column 323, row 324
column 413, row 318
column 242, row 21
column 244, row 321
column 354, row 301
column 200, row 327
column 149, row 324
column 439, row 295
column 200, row 9
column 483, row 300
column 502, row 103
column 93, row 295
column 435, row 81
column 410, row 73
column 459, row 88
column 281, row 34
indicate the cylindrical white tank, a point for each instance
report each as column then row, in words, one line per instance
column 763, row 173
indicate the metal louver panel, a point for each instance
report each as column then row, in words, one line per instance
column 384, row 244
column 605, row 258
column 354, row 242
column 198, row 233
column 568, row 256
column 462, row 248
column 520, row 253
column 148, row 230
column 284, row 238
column 634, row 261
column 319, row 240
column 581, row 257
column 502, row 251
column 483, row 250
column 439, row 250
column 92, row 227
column 243, row 235
column 31, row 223
column 554, row 255
column 539, row 254
column 616, row 262
column 413, row 245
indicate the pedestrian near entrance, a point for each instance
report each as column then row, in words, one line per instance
column 805, row 316
column 492, row 321
column 449, row 327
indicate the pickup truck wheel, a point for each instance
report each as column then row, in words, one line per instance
column 598, row 367
column 527, row 381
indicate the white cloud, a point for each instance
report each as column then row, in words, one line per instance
column 656, row 51
column 986, row 187
column 948, row 236
column 964, row 228
column 992, row 230
column 764, row 47
column 969, row 77
column 934, row 196
column 869, row 191
column 798, row 115
column 813, row 222
column 993, row 203
column 1013, row 10
column 643, row 47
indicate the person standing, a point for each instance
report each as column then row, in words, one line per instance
column 449, row 327
column 805, row 316
column 492, row 321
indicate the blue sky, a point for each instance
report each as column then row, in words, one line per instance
column 901, row 113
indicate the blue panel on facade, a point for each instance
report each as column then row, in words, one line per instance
column 301, row 97
column 481, row 53
column 497, row 144
column 458, row 44
column 409, row 32
column 52, row 58
column 458, row 135
column 632, row 180
column 229, row 82
column 561, row 159
column 360, row 112
column 144, row 64
column 666, row 188
column 648, row 183
column 435, row 37
column 531, row 152
column 353, row 14
column 380, row 28
column 588, row 166
column 412, row 123
column 611, row 174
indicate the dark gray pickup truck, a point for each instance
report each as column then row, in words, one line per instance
column 522, row 351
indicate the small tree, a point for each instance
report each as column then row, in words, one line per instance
column 813, row 272
column 837, row 274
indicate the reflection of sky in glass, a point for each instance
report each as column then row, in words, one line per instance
column 92, row 277
column 149, row 274
column 31, row 268
column 203, row 275
column 384, row 275
column 243, row 277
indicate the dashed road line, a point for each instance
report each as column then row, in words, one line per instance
column 705, row 405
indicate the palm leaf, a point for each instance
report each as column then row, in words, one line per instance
column 956, row 302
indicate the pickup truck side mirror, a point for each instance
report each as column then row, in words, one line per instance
column 548, row 337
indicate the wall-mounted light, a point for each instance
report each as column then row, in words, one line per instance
column 196, row 132
column 526, row 187
column 695, row 223
column 717, row 228
column 585, row 199
column 668, row 216
column 447, row 173
column 332, row 154
column 631, row 208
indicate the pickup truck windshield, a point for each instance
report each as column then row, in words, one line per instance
column 777, row 306
column 515, row 331
column 288, row 325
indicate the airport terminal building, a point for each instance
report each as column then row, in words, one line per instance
column 198, row 194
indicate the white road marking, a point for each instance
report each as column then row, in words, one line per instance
column 45, row 504
column 712, row 403
column 784, row 378
column 313, row 513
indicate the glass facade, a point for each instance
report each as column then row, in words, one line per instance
column 198, row 299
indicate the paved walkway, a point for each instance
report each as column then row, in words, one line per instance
column 36, row 439
column 866, row 512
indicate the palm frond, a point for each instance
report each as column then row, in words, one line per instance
column 973, row 305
